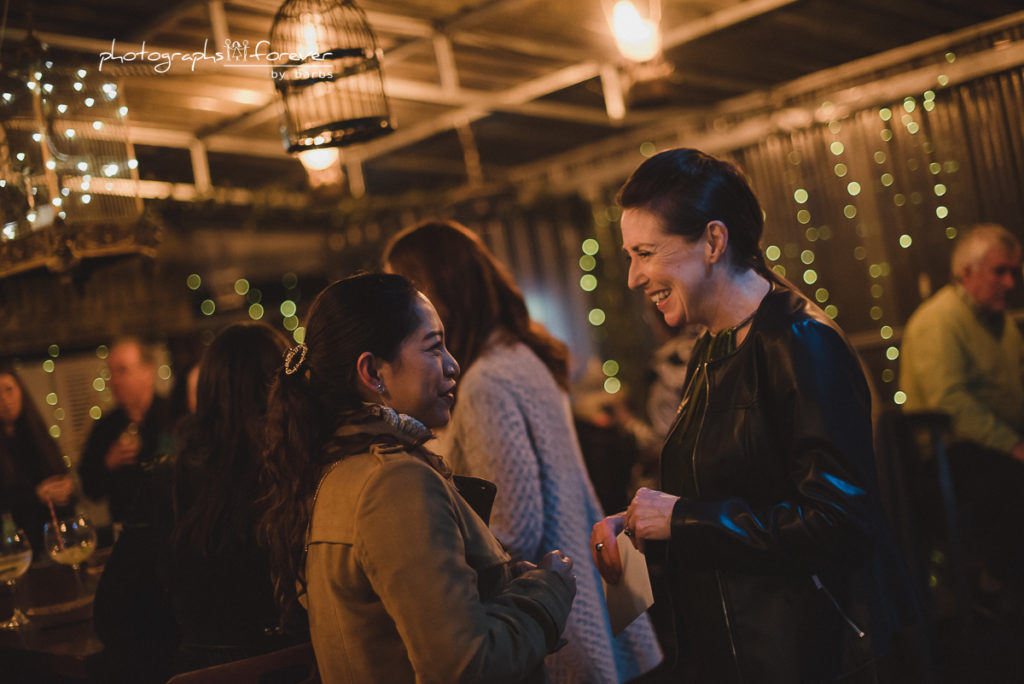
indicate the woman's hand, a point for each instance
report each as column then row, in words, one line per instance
column 605, row 549
column 649, row 515
column 57, row 489
column 558, row 562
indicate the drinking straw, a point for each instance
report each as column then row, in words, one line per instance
column 56, row 527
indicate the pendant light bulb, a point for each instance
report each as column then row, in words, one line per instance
column 639, row 39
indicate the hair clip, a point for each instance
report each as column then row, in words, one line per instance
column 289, row 367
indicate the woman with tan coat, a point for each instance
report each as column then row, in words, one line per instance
column 369, row 530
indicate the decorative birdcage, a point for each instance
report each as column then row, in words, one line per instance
column 327, row 69
column 68, row 174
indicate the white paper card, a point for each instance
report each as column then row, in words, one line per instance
column 628, row 599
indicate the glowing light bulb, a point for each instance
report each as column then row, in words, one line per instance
column 319, row 159
column 638, row 39
column 310, row 35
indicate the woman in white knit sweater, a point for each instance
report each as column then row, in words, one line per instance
column 512, row 425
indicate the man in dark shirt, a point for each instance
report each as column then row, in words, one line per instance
column 125, row 444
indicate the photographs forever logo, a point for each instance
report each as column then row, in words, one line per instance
column 235, row 54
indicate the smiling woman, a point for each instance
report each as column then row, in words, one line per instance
column 420, row 380
column 368, row 529
column 768, row 536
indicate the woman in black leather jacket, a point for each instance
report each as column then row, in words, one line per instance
column 768, row 536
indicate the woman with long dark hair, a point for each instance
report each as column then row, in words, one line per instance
column 512, row 425
column 773, row 555
column 217, row 576
column 32, row 470
column 368, row 529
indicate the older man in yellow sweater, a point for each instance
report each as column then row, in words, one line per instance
column 964, row 355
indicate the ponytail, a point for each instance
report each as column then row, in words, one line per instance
column 295, row 430
column 314, row 388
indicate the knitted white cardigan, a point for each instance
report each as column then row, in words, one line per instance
column 512, row 425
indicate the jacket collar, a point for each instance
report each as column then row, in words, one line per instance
column 374, row 424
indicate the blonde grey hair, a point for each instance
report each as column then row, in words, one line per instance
column 971, row 248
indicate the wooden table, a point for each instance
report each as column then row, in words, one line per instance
column 59, row 645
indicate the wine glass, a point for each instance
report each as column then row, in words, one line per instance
column 15, row 558
column 69, row 541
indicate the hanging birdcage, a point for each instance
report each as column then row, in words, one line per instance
column 328, row 72
column 69, row 180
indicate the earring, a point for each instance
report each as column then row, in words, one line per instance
column 380, row 387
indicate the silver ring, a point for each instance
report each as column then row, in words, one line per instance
column 598, row 546
column 628, row 531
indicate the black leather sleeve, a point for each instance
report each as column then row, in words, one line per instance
column 804, row 480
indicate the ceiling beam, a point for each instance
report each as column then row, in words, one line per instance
column 165, row 20
column 866, row 66
column 200, row 168
column 446, row 67
column 388, row 23
column 422, row 164
column 611, row 87
column 967, row 68
column 179, row 139
column 525, row 92
column 218, row 22
column 566, row 112
column 450, row 27
column 612, row 160
column 556, row 80
column 397, row 89
column 154, row 136
column 385, row 22
column 249, row 119
column 718, row 20
column 229, row 93
column 493, row 40
column 187, row 192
